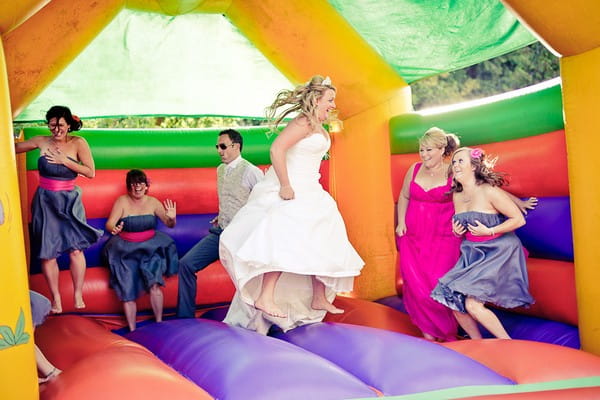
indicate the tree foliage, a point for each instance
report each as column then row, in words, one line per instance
column 521, row 68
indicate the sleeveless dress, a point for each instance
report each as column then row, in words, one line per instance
column 428, row 250
column 136, row 266
column 58, row 219
column 493, row 270
column 300, row 237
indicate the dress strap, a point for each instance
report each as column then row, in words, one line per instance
column 416, row 170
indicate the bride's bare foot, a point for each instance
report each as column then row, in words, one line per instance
column 327, row 306
column 270, row 308
column 78, row 301
column 56, row 306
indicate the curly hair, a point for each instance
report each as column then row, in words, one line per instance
column 302, row 99
column 484, row 170
column 438, row 138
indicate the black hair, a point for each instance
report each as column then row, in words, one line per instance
column 135, row 176
column 59, row 112
column 234, row 135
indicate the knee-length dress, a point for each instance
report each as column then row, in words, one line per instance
column 58, row 219
column 491, row 271
column 137, row 265
column 427, row 251
column 301, row 237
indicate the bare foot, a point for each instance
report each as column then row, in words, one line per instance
column 428, row 337
column 78, row 301
column 327, row 306
column 56, row 306
column 53, row 374
column 269, row 308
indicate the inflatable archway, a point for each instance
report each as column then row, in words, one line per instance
column 370, row 93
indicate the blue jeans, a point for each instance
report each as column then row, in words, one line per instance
column 205, row 252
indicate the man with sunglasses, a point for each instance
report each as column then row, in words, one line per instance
column 235, row 179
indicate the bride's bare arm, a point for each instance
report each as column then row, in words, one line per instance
column 295, row 131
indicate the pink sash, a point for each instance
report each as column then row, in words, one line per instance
column 56, row 185
column 137, row 236
column 472, row 238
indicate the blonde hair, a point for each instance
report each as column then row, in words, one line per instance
column 438, row 138
column 302, row 99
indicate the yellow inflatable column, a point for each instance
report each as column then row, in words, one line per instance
column 304, row 38
column 581, row 97
column 18, row 376
column 572, row 30
column 40, row 48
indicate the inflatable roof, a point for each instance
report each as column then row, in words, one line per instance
column 184, row 58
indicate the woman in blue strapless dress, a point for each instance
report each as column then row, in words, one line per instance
column 492, row 266
column 137, row 255
column 57, row 215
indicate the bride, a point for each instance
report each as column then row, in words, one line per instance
column 287, row 250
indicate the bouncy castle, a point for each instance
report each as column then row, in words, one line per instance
column 229, row 58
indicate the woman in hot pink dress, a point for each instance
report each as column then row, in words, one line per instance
column 428, row 249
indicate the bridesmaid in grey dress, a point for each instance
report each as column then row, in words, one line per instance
column 137, row 254
column 492, row 266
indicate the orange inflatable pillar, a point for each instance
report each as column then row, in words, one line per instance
column 13, row 13
column 18, row 377
column 572, row 30
column 304, row 38
column 41, row 47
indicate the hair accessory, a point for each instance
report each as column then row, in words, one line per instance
column 476, row 153
column 76, row 118
column 326, row 81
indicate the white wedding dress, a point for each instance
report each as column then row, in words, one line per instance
column 300, row 237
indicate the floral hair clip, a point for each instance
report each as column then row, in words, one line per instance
column 75, row 118
column 326, row 81
column 476, row 153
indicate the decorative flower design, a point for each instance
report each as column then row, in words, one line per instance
column 476, row 153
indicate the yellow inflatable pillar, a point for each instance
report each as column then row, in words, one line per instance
column 40, row 48
column 304, row 38
column 572, row 30
column 18, row 376
column 581, row 97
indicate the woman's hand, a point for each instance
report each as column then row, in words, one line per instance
column 286, row 192
column 117, row 229
column 401, row 229
column 480, row 229
column 171, row 209
column 457, row 228
column 55, row 156
column 528, row 204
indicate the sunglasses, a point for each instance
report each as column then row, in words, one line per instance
column 223, row 146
